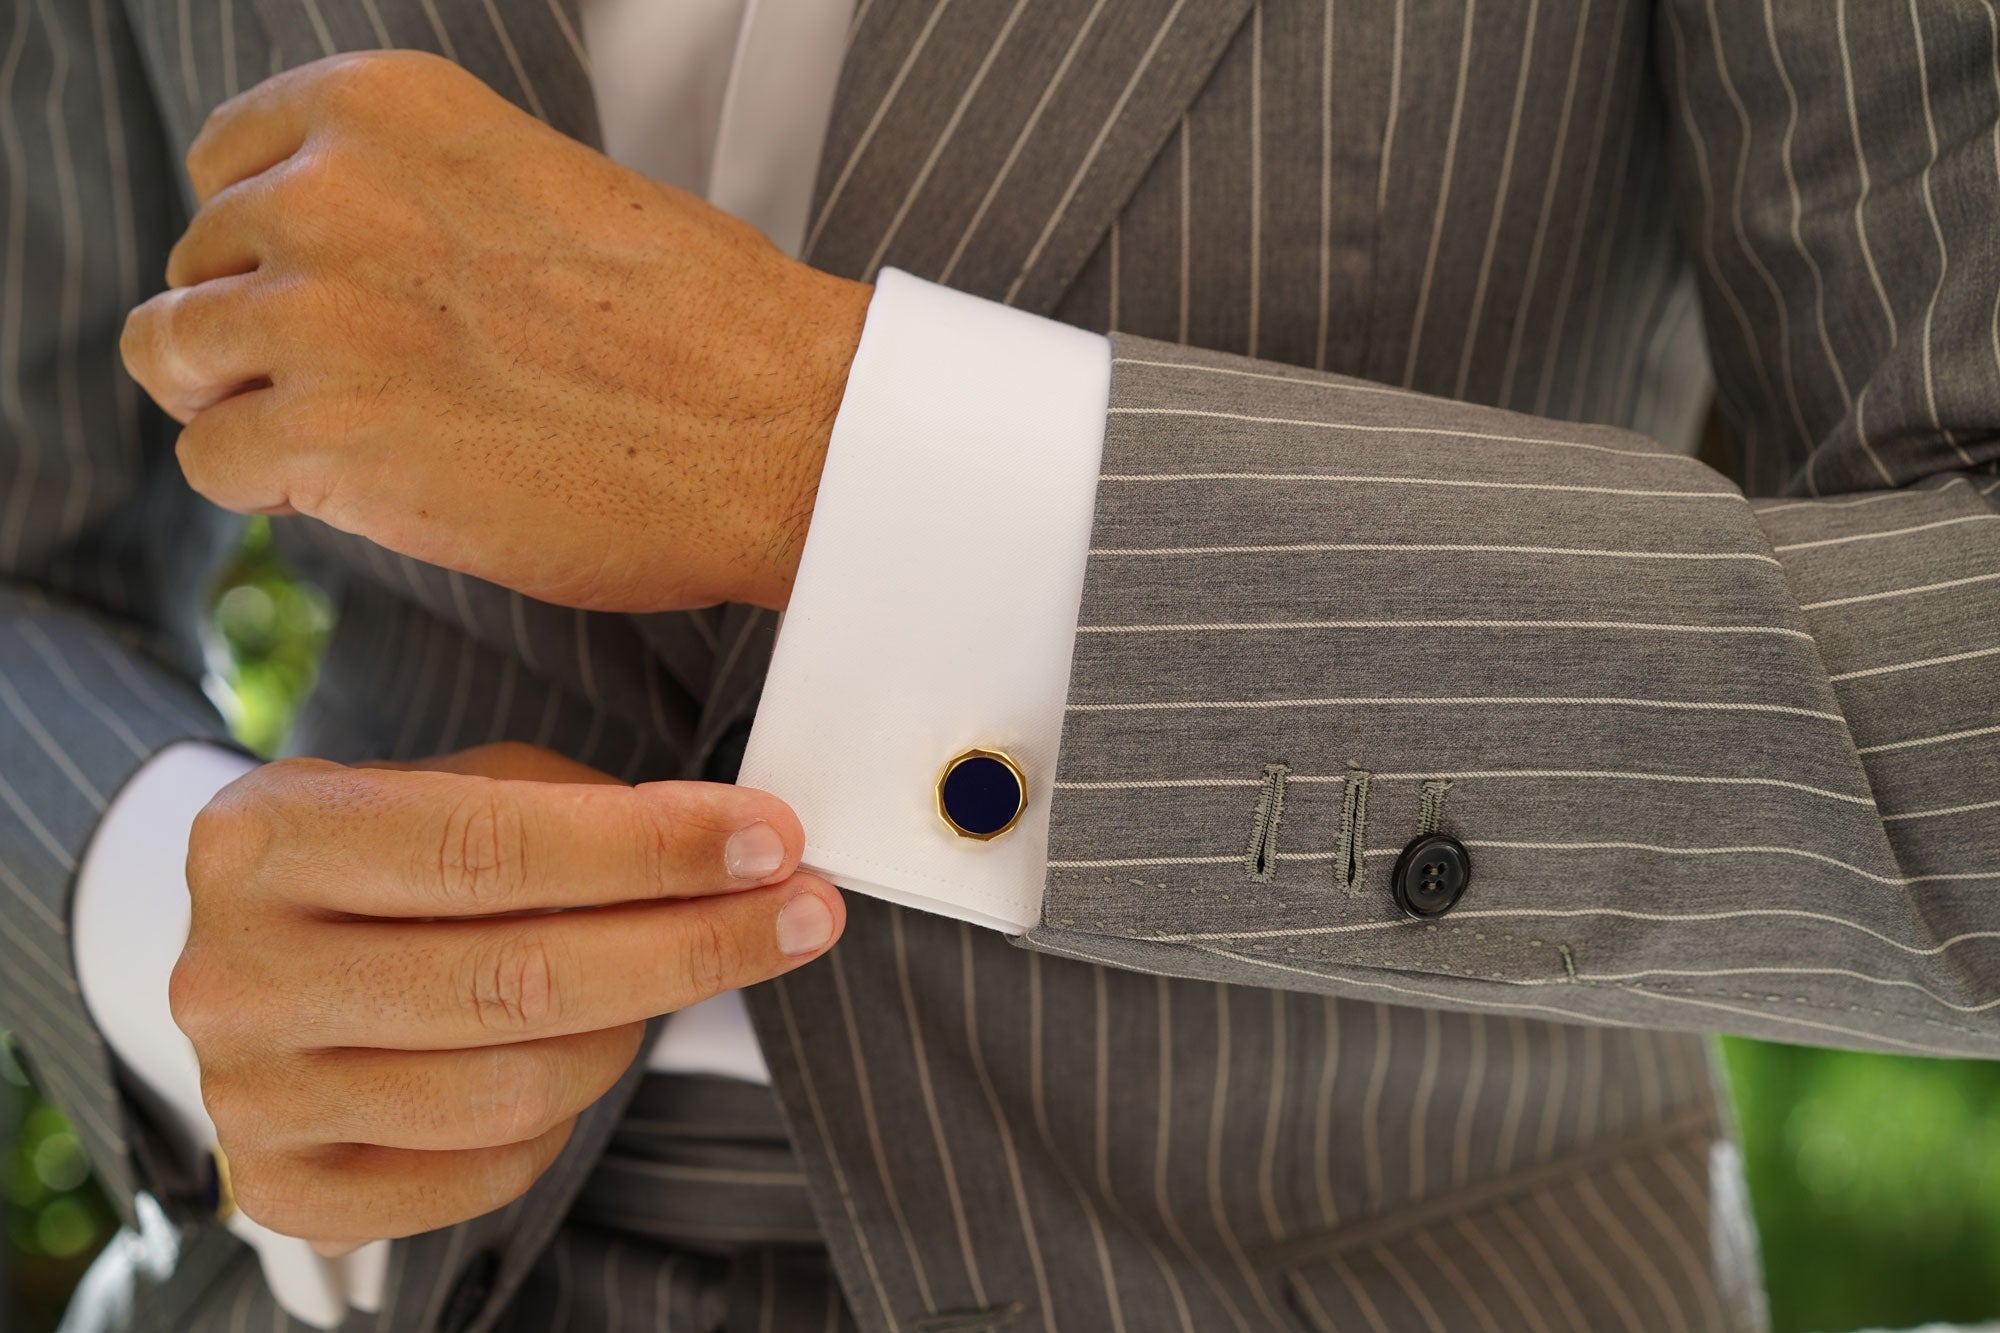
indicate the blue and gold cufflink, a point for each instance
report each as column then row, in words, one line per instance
column 981, row 794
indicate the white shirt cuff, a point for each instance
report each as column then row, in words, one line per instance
column 936, row 601
column 128, row 923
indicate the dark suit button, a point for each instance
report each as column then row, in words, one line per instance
column 469, row 1293
column 1431, row 874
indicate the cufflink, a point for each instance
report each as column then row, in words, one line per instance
column 219, row 1193
column 981, row 794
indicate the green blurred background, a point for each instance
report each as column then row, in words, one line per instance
column 1875, row 1179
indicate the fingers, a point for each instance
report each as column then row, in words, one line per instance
column 500, row 981
column 388, row 843
column 350, row 1194
column 229, row 235
column 437, row 1101
column 238, row 452
column 256, row 129
column 374, row 1077
column 195, row 347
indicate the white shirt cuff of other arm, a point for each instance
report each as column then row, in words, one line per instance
column 935, row 608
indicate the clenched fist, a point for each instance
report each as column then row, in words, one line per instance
column 403, row 984
column 412, row 311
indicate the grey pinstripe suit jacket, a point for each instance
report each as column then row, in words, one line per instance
column 1411, row 299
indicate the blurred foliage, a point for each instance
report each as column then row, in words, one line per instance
column 1876, row 1183
column 268, row 633
column 54, row 1216
column 1875, row 1179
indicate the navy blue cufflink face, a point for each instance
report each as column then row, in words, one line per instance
column 981, row 794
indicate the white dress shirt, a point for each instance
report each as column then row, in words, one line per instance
column 964, row 456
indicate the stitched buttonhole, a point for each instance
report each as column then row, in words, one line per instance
column 1430, row 819
column 1262, row 859
column 1350, row 854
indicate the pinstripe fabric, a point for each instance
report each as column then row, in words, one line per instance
column 1720, row 765
column 1645, row 692
column 94, row 662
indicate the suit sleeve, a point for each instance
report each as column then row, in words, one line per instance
column 97, row 532
column 1718, row 763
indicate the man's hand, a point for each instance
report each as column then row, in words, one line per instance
column 412, row 311
column 404, row 984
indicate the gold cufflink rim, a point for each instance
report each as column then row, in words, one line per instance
column 964, row 756
column 225, row 1186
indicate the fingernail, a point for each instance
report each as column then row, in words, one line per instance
column 754, row 853
column 805, row 924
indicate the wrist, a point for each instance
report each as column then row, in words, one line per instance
column 830, row 313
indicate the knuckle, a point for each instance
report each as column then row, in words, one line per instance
column 371, row 71
column 312, row 487
column 252, row 1181
column 345, row 81
column 137, row 336
column 192, row 324
column 677, row 841
column 238, row 1108
column 310, row 183
column 481, row 853
column 661, row 854
column 524, row 1104
column 201, row 150
column 223, row 1010
column 295, row 779
column 191, row 999
column 196, row 160
column 515, row 1168
column 293, row 792
column 359, row 85
column 227, row 841
column 711, row 954
column 201, row 457
column 512, row 988
column 318, row 476
column 179, row 263
column 274, row 1192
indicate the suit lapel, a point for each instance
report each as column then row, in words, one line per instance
column 988, row 144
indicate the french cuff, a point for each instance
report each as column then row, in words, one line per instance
column 935, row 609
